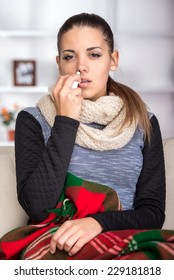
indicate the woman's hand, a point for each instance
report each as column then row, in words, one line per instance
column 68, row 101
column 74, row 234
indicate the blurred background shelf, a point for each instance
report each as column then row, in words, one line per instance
column 6, row 143
column 11, row 34
column 23, row 89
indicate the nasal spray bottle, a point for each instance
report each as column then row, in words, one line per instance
column 75, row 83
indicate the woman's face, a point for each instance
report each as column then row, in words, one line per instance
column 84, row 49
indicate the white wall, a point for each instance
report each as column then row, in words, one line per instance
column 144, row 36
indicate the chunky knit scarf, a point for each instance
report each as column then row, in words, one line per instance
column 108, row 111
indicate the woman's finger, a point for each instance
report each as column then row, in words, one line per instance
column 58, row 86
column 60, row 236
column 78, row 246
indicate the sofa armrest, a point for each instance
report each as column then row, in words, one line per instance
column 11, row 213
column 169, row 165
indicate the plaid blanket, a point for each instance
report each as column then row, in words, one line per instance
column 80, row 198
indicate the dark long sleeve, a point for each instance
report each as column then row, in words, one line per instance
column 40, row 169
column 149, row 202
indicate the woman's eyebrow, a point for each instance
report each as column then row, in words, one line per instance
column 68, row 50
column 88, row 49
column 92, row 48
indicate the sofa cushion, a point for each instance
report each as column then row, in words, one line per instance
column 11, row 213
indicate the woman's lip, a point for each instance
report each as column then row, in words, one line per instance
column 84, row 84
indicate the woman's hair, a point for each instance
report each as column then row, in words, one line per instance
column 87, row 20
column 135, row 107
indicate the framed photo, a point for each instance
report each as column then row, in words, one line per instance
column 24, row 72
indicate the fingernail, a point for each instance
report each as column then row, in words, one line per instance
column 52, row 252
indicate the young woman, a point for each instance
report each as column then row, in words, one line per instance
column 100, row 131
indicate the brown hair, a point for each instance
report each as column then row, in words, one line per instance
column 135, row 107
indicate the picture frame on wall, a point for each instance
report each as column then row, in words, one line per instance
column 24, row 72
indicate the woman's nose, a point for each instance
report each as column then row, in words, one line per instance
column 82, row 65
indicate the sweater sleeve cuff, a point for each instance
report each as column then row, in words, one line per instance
column 66, row 121
column 99, row 220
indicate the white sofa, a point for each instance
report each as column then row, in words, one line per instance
column 12, row 215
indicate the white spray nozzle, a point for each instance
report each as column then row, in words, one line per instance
column 75, row 83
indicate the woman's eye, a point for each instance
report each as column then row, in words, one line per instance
column 68, row 57
column 95, row 55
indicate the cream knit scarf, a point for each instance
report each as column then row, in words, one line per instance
column 108, row 111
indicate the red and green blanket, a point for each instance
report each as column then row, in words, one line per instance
column 80, row 198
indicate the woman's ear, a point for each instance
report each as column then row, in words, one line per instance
column 114, row 60
column 58, row 63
